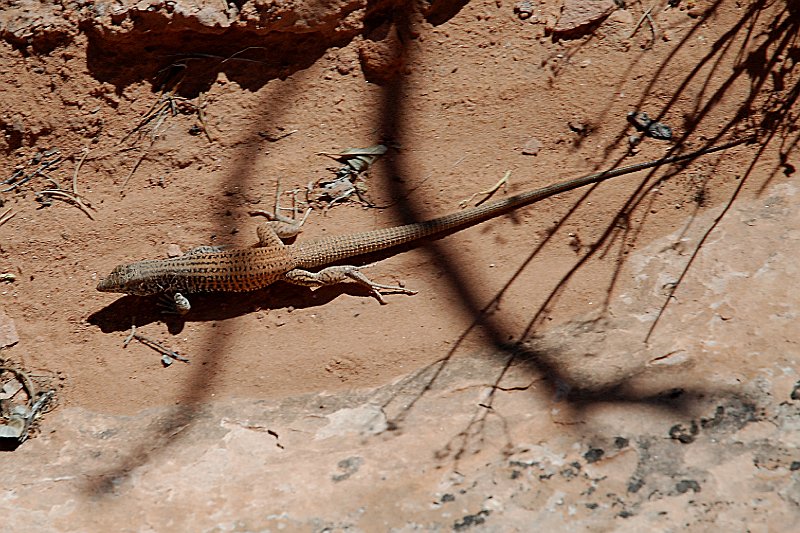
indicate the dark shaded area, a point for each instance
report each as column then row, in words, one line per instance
column 173, row 50
column 213, row 306
column 192, row 61
column 9, row 444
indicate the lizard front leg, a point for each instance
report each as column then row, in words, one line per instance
column 338, row 274
column 177, row 304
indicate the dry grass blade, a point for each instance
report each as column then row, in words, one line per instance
column 65, row 195
column 77, row 169
column 201, row 116
column 6, row 216
column 74, row 196
column 488, row 192
column 163, row 104
column 136, row 166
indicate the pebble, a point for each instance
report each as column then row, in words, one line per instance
column 577, row 16
column 532, row 147
column 173, row 250
column 8, row 331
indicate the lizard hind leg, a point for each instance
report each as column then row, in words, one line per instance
column 279, row 225
column 268, row 237
column 339, row 274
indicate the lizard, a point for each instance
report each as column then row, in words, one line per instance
column 209, row 268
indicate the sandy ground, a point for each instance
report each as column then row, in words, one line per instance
column 175, row 120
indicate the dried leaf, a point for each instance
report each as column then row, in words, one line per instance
column 10, row 388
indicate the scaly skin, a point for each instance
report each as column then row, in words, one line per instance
column 247, row 269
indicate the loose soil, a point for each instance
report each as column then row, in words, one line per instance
column 456, row 91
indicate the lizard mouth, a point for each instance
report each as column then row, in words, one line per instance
column 107, row 284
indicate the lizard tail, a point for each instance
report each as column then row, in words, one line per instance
column 320, row 252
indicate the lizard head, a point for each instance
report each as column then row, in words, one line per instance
column 122, row 279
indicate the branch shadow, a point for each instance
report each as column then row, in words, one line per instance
column 773, row 120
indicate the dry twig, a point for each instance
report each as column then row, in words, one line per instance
column 649, row 17
column 167, row 355
column 6, row 216
column 74, row 197
column 64, row 195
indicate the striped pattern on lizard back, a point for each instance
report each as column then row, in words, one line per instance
column 233, row 270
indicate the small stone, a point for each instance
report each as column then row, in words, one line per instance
column 578, row 16
column 8, row 332
column 173, row 250
column 796, row 391
column 524, row 9
column 578, row 127
column 696, row 11
column 685, row 485
column 532, row 147
column 593, row 455
column 684, row 435
column 344, row 67
column 381, row 54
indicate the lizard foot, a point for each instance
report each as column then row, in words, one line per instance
column 177, row 304
column 282, row 226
